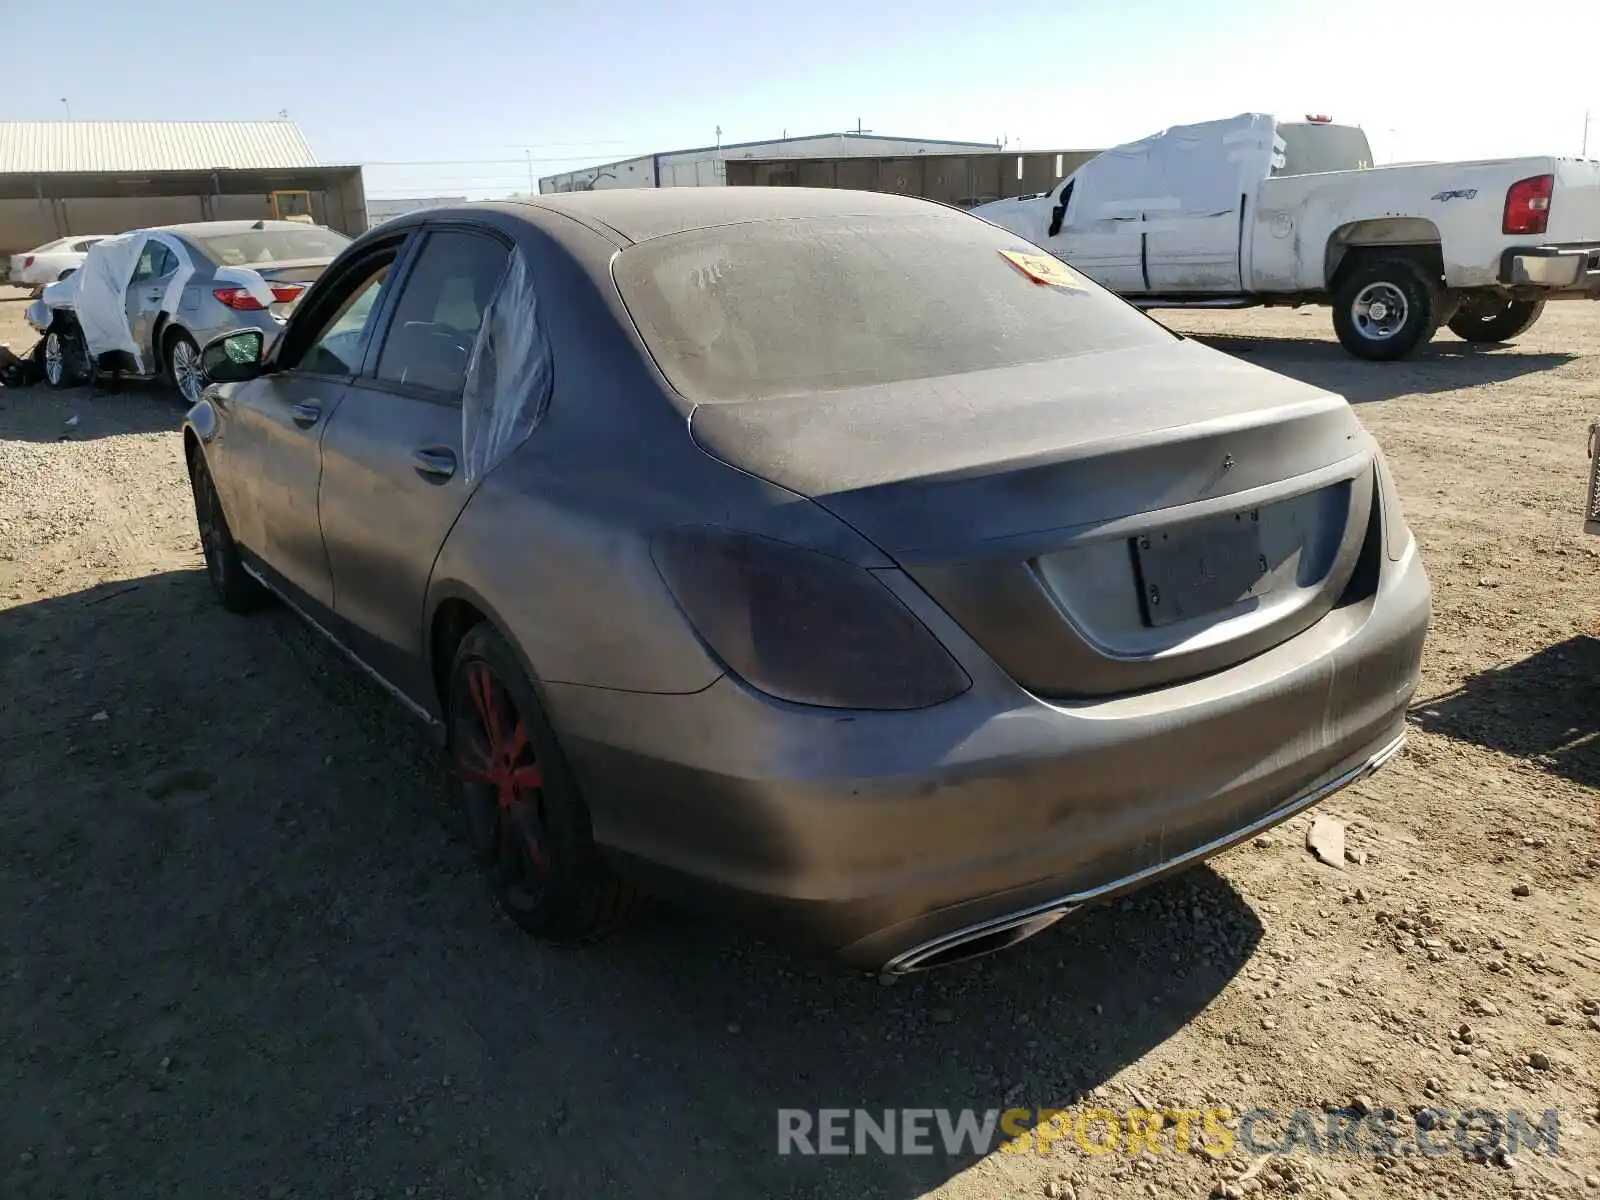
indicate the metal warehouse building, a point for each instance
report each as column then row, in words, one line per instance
column 705, row 166
column 79, row 177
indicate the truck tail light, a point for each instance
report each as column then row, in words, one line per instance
column 238, row 298
column 1528, row 205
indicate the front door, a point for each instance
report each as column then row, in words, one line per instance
column 392, row 469
column 276, row 424
column 1107, row 247
column 147, row 292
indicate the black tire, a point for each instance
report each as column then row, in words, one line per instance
column 528, row 827
column 236, row 590
column 182, row 373
column 63, row 357
column 1494, row 319
column 1410, row 303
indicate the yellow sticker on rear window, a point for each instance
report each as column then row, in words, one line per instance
column 1042, row 268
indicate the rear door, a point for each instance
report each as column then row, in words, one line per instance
column 271, row 446
column 392, row 477
column 1195, row 253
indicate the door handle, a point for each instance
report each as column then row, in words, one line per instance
column 434, row 462
column 306, row 415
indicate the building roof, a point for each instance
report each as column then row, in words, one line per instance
column 41, row 147
column 727, row 147
column 847, row 135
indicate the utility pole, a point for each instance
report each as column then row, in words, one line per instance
column 719, row 137
column 532, row 190
column 66, row 106
column 1585, row 152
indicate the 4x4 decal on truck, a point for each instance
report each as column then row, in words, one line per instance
column 1458, row 194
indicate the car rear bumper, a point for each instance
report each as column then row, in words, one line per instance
column 1571, row 269
column 885, row 838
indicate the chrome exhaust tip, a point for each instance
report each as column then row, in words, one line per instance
column 977, row 941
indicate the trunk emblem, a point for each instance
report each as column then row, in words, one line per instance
column 1227, row 462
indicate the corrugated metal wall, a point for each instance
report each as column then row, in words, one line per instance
column 704, row 166
column 959, row 179
column 70, row 204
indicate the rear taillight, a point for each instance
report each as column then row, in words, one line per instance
column 1528, row 205
column 803, row 626
column 287, row 293
column 238, row 298
column 27, row 262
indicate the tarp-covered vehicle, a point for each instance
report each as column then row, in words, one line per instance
column 144, row 302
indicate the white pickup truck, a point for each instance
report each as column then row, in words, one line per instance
column 1252, row 210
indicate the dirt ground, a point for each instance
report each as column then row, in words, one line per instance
column 245, row 954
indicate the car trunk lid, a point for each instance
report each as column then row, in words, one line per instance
column 1099, row 525
column 304, row 272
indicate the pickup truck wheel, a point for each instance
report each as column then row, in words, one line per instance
column 1386, row 309
column 1494, row 319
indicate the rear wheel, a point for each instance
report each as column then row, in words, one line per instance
column 1386, row 309
column 1495, row 319
column 529, row 828
column 183, row 366
column 236, row 590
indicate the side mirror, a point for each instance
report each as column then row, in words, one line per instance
column 233, row 357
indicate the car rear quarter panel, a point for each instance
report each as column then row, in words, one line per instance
column 555, row 543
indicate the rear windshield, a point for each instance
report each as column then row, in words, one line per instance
column 271, row 245
column 779, row 308
column 1312, row 149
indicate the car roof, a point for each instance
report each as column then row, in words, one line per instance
column 223, row 228
column 638, row 214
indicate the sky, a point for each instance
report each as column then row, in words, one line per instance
column 470, row 97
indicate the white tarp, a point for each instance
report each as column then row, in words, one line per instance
column 98, row 296
column 1184, row 171
column 509, row 373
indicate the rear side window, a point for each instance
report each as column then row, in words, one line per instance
column 440, row 309
column 780, row 308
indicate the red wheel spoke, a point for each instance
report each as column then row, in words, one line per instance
column 481, row 683
column 527, row 778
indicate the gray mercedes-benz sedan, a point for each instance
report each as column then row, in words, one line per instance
column 833, row 558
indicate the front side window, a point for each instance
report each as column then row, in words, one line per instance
column 336, row 349
column 438, row 313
